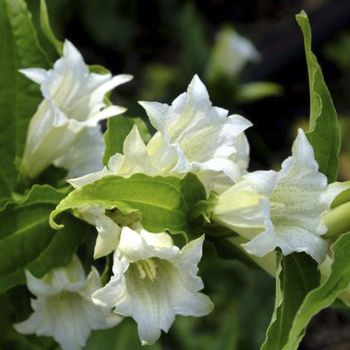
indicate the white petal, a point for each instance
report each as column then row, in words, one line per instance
column 110, row 84
column 92, row 283
column 199, row 92
column 108, row 236
column 135, row 246
column 30, row 325
column 226, row 166
column 70, row 277
column 156, row 112
column 39, row 287
column 188, row 259
column 114, row 291
column 296, row 239
column 89, row 178
column 105, row 113
column 263, row 243
column 38, row 75
column 137, row 159
column 244, row 207
column 242, row 152
column 160, row 240
column 85, row 156
column 261, row 181
column 49, row 136
column 115, row 165
column 301, row 167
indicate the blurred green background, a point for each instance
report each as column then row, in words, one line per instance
column 250, row 55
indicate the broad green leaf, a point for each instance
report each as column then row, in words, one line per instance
column 324, row 133
column 160, row 200
column 46, row 28
column 28, row 242
column 325, row 294
column 19, row 97
column 298, row 275
column 117, row 130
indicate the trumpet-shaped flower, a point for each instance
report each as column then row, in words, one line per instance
column 282, row 209
column 230, row 54
column 73, row 100
column 153, row 280
column 194, row 136
column 63, row 308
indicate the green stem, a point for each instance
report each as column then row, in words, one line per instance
column 267, row 262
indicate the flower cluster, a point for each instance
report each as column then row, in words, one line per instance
column 153, row 278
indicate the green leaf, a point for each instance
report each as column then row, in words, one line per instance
column 324, row 133
column 160, row 200
column 297, row 276
column 117, row 130
column 47, row 30
column 19, row 97
column 194, row 193
column 323, row 296
column 28, row 242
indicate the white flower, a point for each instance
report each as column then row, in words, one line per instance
column 135, row 159
column 63, row 308
column 193, row 136
column 153, row 280
column 86, row 154
column 219, row 181
column 73, row 100
column 230, row 54
column 282, row 209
